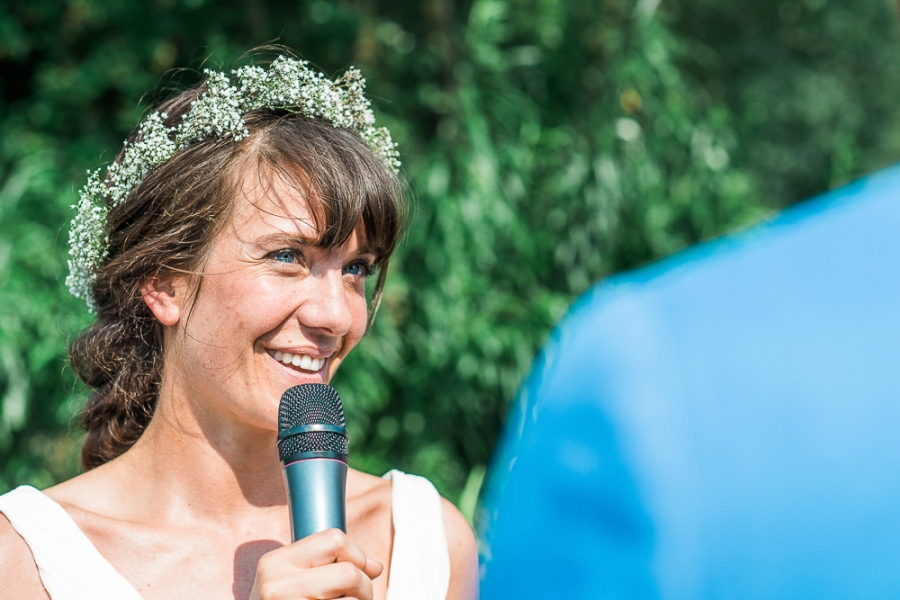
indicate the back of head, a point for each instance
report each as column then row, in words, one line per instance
column 719, row 425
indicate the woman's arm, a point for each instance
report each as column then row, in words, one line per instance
column 19, row 577
column 463, row 555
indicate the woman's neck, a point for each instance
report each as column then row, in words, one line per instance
column 200, row 466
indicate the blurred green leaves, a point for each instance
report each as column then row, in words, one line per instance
column 812, row 85
column 561, row 153
column 546, row 144
column 34, row 386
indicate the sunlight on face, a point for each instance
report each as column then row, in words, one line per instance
column 272, row 310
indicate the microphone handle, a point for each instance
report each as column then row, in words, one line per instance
column 317, row 495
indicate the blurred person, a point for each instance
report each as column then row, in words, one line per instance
column 722, row 424
column 225, row 253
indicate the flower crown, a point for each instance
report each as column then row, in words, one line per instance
column 287, row 84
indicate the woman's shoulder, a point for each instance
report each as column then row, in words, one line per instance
column 18, row 571
column 463, row 553
column 461, row 546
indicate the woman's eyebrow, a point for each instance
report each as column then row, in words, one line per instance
column 301, row 240
column 287, row 238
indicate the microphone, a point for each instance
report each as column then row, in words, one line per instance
column 312, row 445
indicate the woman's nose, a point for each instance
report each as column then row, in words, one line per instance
column 326, row 307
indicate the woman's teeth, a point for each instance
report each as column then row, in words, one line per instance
column 307, row 363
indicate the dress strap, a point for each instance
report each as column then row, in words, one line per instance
column 420, row 561
column 70, row 566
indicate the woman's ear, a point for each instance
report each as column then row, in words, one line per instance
column 165, row 298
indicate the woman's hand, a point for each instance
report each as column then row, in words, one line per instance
column 322, row 566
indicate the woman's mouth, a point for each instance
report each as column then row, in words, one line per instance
column 301, row 361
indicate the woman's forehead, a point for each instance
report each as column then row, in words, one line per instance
column 269, row 198
column 274, row 207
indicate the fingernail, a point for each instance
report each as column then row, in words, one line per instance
column 374, row 565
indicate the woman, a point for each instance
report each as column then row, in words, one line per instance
column 226, row 253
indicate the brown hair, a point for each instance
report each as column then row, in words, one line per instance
column 167, row 225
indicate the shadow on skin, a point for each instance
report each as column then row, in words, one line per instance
column 245, row 558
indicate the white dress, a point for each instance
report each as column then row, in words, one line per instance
column 71, row 568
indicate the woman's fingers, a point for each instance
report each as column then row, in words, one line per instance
column 325, row 565
column 332, row 545
column 373, row 567
column 337, row 580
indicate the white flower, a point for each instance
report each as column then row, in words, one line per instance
column 287, row 84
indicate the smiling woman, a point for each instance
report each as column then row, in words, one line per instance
column 283, row 291
column 294, row 179
column 226, row 253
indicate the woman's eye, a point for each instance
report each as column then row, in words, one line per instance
column 359, row 269
column 285, row 255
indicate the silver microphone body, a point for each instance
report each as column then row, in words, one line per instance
column 317, row 495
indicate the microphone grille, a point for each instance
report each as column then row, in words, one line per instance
column 308, row 404
column 314, row 441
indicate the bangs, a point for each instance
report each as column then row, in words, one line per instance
column 344, row 184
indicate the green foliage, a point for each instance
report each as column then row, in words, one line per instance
column 537, row 183
column 812, row 85
column 547, row 144
column 34, row 385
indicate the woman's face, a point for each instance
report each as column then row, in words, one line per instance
column 272, row 310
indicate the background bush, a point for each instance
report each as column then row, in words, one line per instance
column 547, row 144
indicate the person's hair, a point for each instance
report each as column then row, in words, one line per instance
column 167, row 225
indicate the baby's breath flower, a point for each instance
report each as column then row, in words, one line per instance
column 287, row 84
